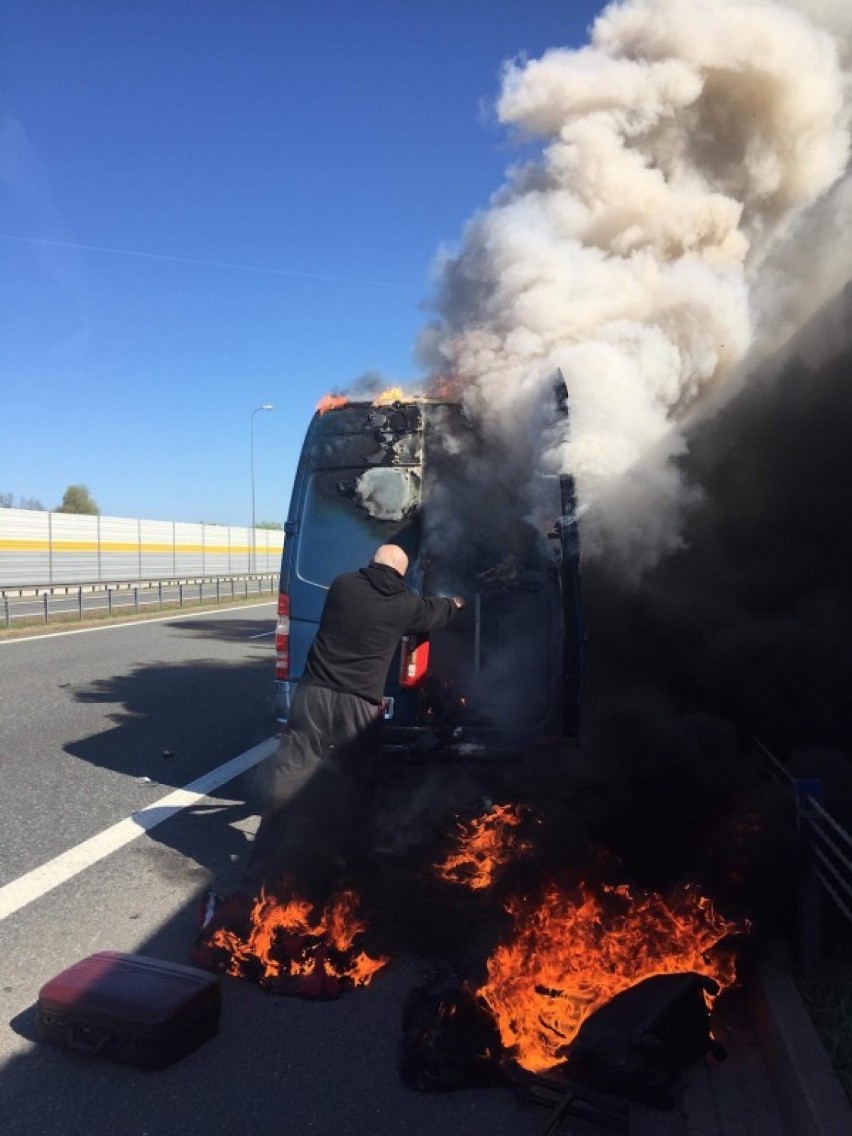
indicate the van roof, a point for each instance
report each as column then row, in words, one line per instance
column 331, row 403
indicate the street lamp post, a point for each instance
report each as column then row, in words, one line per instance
column 253, row 563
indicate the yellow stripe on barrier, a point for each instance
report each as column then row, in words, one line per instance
column 60, row 546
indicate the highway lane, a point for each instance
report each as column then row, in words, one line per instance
column 83, row 718
column 86, row 718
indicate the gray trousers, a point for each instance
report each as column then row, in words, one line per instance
column 321, row 782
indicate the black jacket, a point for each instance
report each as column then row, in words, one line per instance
column 366, row 614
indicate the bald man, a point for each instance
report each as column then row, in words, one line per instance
column 329, row 751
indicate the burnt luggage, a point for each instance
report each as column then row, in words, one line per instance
column 642, row 1039
column 129, row 1008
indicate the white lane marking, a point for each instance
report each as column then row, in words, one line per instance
column 36, row 883
column 263, row 634
column 132, row 623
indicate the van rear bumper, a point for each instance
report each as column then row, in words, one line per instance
column 424, row 741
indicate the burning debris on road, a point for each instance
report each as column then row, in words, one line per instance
column 483, row 846
column 635, row 1046
column 568, row 956
column 561, row 972
column 531, row 1001
column 287, row 946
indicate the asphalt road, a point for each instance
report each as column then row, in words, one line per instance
column 93, row 727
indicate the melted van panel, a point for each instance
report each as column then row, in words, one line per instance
column 367, row 436
column 387, row 494
column 361, row 418
column 345, row 451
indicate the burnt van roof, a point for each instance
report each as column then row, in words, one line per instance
column 332, row 404
column 402, row 416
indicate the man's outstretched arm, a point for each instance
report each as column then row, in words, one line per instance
column 434, row 612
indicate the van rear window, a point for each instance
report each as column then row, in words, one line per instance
column 348, row 513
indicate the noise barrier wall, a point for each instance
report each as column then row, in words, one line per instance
column 41, row 548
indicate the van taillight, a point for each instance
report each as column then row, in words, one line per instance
column 282, row 639
column 413, row 660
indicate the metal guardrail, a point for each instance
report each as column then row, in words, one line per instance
column 69, row 603
column 825, row 858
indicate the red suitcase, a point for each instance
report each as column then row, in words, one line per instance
column 129, row 1008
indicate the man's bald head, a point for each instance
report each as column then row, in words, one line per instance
column 393, row 556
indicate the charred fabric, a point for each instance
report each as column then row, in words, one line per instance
column 580, row 916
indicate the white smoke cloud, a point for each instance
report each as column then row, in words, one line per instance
column 835, row 16
column 680, row 148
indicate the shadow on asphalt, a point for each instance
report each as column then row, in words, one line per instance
column 174, row 721
column 234, row 630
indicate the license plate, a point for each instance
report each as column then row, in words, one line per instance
column 387, row 708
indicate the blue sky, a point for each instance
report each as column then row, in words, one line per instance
column 214, row 204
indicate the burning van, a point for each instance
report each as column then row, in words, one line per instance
column 416, row 473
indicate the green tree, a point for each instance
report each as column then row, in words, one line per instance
column 77, row 499
column 269, row 525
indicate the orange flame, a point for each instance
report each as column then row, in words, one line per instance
column 569, row 958
column 392, row 394
column 287, row 938
column 331, row 402
column 445, row 386
column 484, row 845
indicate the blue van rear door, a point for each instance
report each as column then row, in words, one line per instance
column 360, row 487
